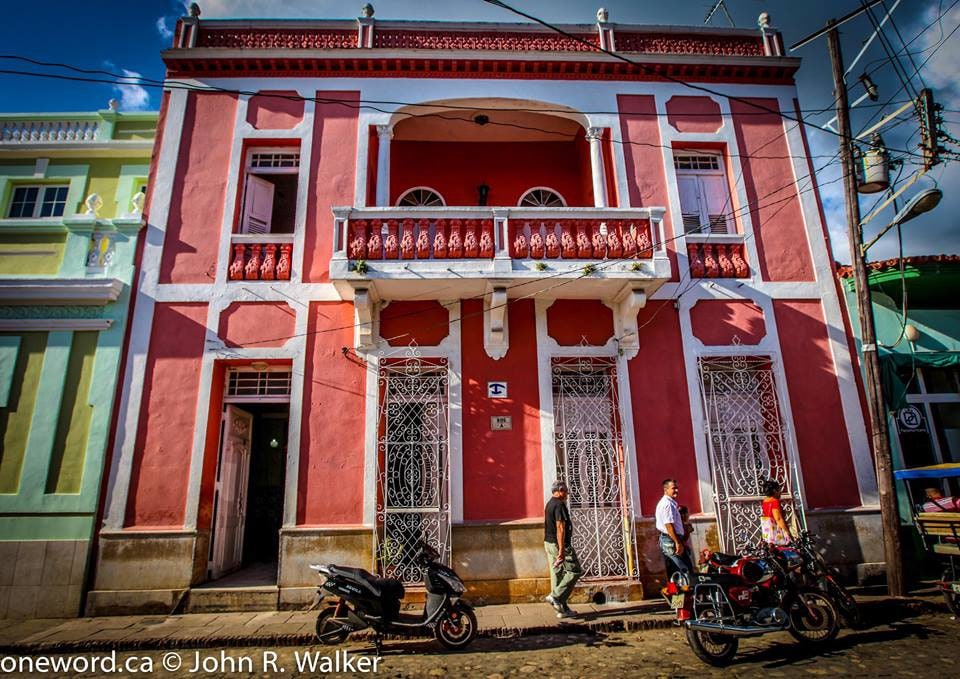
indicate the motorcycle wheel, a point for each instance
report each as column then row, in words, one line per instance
column 813, row 619
column 843, row 601
column 457, row 628
column 951, row 597
column 714, row 649
column 329, row 630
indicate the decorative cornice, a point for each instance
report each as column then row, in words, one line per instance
column 466, row 65
column 60, row 291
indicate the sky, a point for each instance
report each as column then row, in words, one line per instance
column 127, row 37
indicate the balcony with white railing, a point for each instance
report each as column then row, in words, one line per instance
column 134, row 130
column 450, row 251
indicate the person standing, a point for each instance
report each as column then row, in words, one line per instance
column 670, row 526
column 564, row 566
column 772, row 524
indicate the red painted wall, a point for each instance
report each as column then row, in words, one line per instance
column 272, row 110
column 661, row 410
column 211, row 447
column 646, row 182
column 333, row 172
column 199, row 189
column 502, row 470
column 571, row 321
column 768, row 177
column 694, row 114
column 256, row 324
column 716, row 322
column 161, row 465
column 332, row 439
column 456, row 169
column 610, row 173
column 426, row 322
column 825, row 459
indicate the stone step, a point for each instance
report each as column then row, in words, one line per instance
column 231, row 599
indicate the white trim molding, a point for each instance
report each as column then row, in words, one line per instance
column 60, row 291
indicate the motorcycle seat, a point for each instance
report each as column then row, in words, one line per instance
column 724, row 559
column 388, row 588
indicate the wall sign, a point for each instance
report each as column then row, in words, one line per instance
column 501, row 423
column 910, row 419
column 496, row 389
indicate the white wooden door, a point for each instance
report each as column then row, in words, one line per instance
column 231, row 491
column 258, row 205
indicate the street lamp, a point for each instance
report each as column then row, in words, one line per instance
column 924, row 201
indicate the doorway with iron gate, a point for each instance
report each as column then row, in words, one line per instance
column 590, row 458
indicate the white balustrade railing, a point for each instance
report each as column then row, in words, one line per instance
column 31, row 131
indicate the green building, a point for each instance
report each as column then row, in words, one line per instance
column 917, row 315
column 72, row 187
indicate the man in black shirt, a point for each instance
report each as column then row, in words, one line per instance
column 565, row 568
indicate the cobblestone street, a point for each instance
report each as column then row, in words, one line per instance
column 920, row 646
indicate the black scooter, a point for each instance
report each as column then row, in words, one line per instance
column 367, row 601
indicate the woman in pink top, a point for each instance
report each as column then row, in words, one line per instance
column 772, row 524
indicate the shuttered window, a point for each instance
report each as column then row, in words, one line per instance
column 704, row 194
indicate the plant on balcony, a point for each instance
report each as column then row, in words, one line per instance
column 540, row 266
column 589, row 269
column 360, row 266
column 636, row 266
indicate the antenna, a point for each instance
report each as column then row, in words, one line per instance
column 719, row 4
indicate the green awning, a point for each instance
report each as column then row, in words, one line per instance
column 892, row 365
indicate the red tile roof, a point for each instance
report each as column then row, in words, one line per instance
column 846, row 270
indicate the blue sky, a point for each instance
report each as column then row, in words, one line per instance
column 127, row 37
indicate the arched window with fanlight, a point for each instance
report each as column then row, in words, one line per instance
column 421, row 196
column 541, row 196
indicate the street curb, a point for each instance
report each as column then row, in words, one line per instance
column 637, row 624
column 280, row 640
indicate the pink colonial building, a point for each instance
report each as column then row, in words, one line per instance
column 400, row 276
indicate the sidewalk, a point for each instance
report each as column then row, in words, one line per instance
column 296, row 628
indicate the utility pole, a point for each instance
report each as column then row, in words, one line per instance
column 871, row 362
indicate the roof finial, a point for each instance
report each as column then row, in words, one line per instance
column 603, row 16
column 113, row 105
column 194, row 10
column 366, row 11
column 763, row 21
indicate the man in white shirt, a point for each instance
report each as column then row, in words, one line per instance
column 670, row 527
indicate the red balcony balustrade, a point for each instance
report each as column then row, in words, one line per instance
column 420, row 239
column 580, row 239
column 266, row 260
column 717, row 260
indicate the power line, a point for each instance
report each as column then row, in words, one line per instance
column 175, row 85
column 665, row 76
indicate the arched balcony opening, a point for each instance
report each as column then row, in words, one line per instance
column 489, row 152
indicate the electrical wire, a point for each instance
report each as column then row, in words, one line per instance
column 665, row 76
column 888, row 50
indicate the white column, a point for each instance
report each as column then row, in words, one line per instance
column 384, row 134
column 594, row 136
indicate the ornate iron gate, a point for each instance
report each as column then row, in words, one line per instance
column 413, row 482
column 746, row 436
column 590, row 459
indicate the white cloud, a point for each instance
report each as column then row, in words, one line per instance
column 940, row 72
column 133, row 96
column 165, row 32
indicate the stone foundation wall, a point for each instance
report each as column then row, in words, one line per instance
column 146, row 571
column 42, row 578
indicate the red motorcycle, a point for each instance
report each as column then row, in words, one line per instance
column 746, row 596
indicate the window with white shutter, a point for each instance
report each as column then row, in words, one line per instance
column 704, row 193
column 270, row 191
